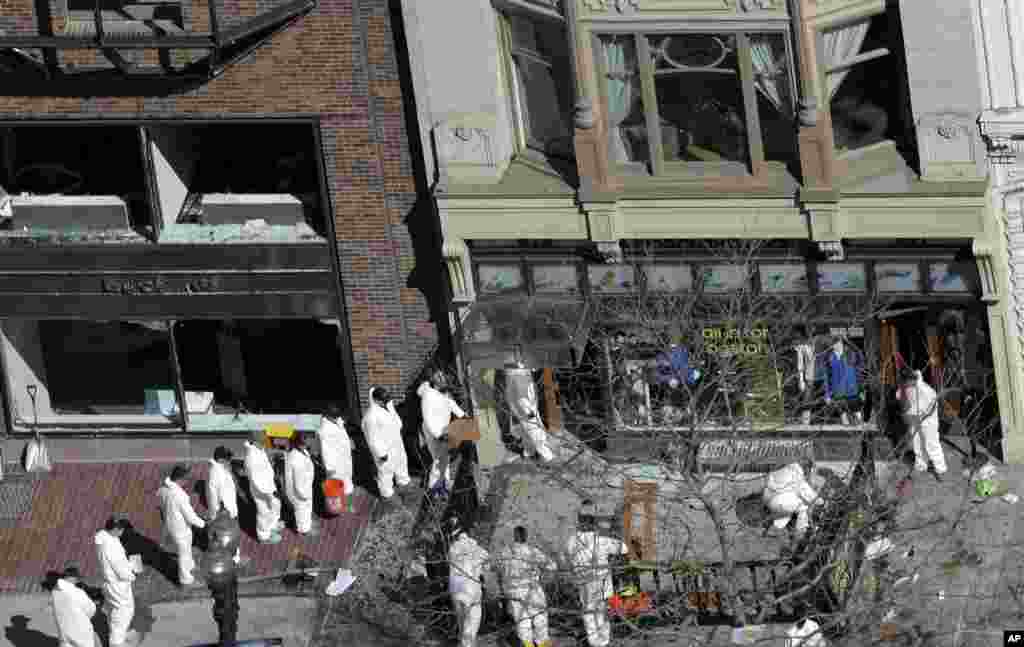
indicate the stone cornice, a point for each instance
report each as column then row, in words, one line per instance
column 1003, row 132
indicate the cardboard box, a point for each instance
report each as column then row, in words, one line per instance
column 461, row 430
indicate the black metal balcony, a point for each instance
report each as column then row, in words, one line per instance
column 30, row 66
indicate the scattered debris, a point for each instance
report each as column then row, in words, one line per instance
column 1010, row 498
column 341, row 583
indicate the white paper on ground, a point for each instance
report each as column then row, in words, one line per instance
column 341, row 583
column 136, row 561
column 1010, row 497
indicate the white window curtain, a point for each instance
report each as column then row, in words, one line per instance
column 619, row 68
column 841, row 45
column 770, row 72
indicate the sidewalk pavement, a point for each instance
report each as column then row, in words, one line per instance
column 28, row 621
column 67, row 505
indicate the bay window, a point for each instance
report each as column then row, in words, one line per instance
column 543, row 87
column 698, row 102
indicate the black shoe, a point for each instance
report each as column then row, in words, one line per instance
column 939, row 477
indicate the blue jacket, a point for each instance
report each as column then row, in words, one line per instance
column 675, row 364
column 841, row 377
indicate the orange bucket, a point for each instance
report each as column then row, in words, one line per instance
column 334, row 497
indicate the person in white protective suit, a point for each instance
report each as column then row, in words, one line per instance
column 788, row 494
column 521, row 567
column 521, row 396
column 805, row 633
column 382, row 427
column 263, row 489
column 921, row 413
column 437, row 409
column 588, row 554
column 73, row 610
column 336, row 448
column 118, row 576
column 466, row 560
column 298, row 485
column 221, row 490
column 179, row 518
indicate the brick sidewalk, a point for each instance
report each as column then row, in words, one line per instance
column 70, row 503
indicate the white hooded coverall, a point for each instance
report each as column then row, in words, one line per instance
column 809, row 635
column 261, row 484
column 179, row 517
column 383, row 430
column 336, row 449
column 921, row 413
column 437, row 409
column 74, row 611
column 220, row 490
column 521, row 568
column 788, row 493
column 118, row 576
column 298, row 487
column 466, row 560
column 588, row 553
column 521, row 396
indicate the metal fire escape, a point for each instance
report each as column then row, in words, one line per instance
column 30, row 65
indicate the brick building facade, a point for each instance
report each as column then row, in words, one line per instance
column 332, row 66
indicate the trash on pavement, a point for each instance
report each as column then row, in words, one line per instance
column 341, row 583
column 984, row 473
column 748, row 635
column 941, row 595
column 877, row 548
column 1011, row 498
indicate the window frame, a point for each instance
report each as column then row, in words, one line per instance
column 884, row 154
column 756, row 166
column 525, row 145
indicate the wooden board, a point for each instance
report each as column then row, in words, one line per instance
column 461, row 430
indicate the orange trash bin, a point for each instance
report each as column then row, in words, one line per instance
column 335, row 501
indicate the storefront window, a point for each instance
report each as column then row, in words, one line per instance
column 495, row 279
column 611, row 278
column 240, row 371
column 897, row 277
column 668, row 278
column 842, row 277
column 783, row 278
column 60, row 370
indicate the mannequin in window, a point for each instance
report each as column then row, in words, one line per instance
column 842, row 382
column 804, row 349
column 674, row 375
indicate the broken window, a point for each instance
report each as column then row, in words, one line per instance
column 697, row 90
column 218, row 182
column 74, row 178
column 544, row 85
column 286, row 366
column 57, row 370
column 124, row 18
column 866, row 84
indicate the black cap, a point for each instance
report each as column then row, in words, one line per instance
column 71, row 570
column 179, row 472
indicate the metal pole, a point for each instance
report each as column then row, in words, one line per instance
column 179, row 385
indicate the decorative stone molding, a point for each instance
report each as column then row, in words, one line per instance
column 949, row 147
column 465, row 146
column 983, row 254
column 622, row 6
column 547, row 7
column 755, row 5
column 456, row 258
column 832, row 249
column 1003, row 132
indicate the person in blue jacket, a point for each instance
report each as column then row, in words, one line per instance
column 842, row 381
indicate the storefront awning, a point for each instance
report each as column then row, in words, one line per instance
column 550, row 332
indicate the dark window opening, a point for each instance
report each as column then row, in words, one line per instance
column 262, row 366
column 75, row 161
column 193, row 163
column 871, row 102
column 104, row 367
